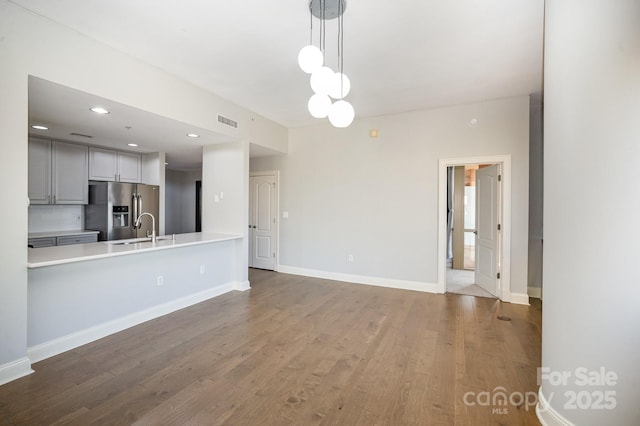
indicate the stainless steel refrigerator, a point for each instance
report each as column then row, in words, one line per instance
column 114, row 207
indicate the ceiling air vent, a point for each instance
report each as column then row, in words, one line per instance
column 81, row 135
column 227, row 121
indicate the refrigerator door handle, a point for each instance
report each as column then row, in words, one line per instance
column 135, row 211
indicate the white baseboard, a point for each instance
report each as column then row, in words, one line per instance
column 547, row 415
column 535, row 292
column 242, row 285
column 79, row 338
column 14, row 370
column 360, row 279
column 519, row 298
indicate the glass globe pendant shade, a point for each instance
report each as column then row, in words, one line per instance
column 341, row 114
column 320, row 80
column 310, row 59
column 339, row 85
column 319, row 105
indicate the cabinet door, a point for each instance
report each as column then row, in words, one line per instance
column 76, row 239
column 42, row 242
column 70, row 177
column 129, row 169
column 103, row 164
column 39, row 171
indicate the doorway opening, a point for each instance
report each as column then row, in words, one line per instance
column 198, row 206
column 474, row 220
column 461, row 231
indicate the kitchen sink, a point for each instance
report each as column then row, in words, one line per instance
column 138, row 240
column 129, row 241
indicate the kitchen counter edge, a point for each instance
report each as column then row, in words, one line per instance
column 59, row 255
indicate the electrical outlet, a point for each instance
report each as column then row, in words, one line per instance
column 160, row 280
column 350, row 258
column 201, row 269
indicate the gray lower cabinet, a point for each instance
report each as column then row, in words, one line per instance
column 42, row 242
column 77, row 239
column 62, row 240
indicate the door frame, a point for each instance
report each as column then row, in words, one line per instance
column 275, row 173
column 504, row 237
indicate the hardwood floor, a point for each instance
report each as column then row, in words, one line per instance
column 299, row 351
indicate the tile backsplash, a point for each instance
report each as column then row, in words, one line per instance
column 55, row 218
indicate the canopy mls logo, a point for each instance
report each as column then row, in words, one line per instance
column 594, row 387
column 593, row 391
column 499, row 400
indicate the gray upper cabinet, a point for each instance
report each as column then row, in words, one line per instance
column 114, row 166
column 129, row 167
column 103, row 164
column 39, row 171
column 70, row 173
column 58, row 172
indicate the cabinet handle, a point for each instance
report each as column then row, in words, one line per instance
column 54, row 199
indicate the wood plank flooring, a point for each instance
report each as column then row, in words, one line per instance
column 296, row 351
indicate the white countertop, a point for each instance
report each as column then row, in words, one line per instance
column 61, row 233
column 58, row 255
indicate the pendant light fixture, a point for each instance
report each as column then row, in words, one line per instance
column 325, row 83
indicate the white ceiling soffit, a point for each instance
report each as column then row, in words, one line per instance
column 400, row 56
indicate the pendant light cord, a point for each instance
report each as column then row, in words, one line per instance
column 341, row 44
column 310, row 26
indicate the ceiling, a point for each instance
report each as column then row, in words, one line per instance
column 67, row 114
column 400, row 56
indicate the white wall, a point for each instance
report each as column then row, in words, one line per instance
column 225, row 196
column 13, row 189
column 376, row 198
column 31, row 45
column 181, row 201
column 591, row 316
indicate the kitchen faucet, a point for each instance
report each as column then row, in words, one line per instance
column 153, row 224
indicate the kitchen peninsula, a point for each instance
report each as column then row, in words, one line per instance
column 81, row 293
column 50, row 256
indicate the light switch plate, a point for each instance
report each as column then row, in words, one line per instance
column 285, row 215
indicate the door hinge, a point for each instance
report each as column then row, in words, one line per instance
column 499, row 178
column 274, row 255
column 499, row 227
column 498, row 277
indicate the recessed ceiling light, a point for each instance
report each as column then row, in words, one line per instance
column 193, row 135
column 132, row 144
column 99, row 110
column 39, row 127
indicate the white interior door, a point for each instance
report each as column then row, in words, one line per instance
column 262, row 222
column 487, row 224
